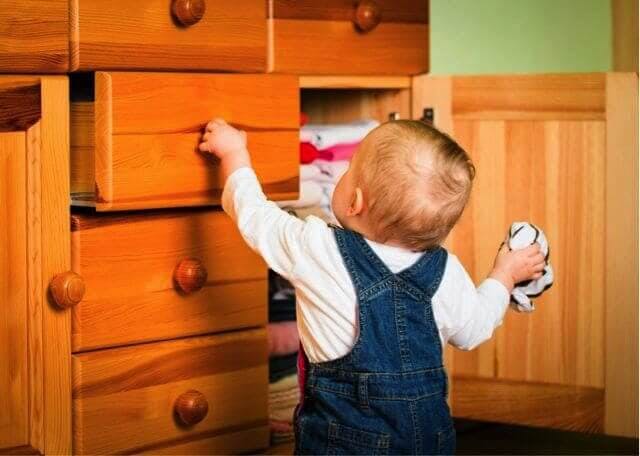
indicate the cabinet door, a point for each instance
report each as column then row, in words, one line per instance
column 540, row 144
column 34, row 245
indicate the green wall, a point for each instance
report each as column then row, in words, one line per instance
column 520, row 36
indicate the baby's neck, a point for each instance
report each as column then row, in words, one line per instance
column 369, row 235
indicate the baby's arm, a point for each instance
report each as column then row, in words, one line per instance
column 466, row 315
column 273, row 233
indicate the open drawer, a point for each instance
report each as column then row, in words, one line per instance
column 134, row 136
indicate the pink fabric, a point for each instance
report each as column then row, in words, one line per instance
column 308, row 153
column 283, row 338
column 280, row 426
column 339, row 152
column 302, row 376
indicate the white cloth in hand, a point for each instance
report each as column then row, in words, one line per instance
column 521, row 235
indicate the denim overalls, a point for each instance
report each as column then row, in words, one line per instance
column 388, row 395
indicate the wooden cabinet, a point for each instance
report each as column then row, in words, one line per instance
column 556, row 150
column 340, row 37
column 134, row 137
column 35, row 361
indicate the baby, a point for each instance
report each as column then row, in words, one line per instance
column 378, row 298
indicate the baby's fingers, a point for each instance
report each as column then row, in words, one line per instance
column 532, row 250
column 214, row 123
column 537, row 267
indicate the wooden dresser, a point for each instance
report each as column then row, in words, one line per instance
column 133, row 315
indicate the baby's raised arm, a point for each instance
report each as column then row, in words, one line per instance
column 267, row 229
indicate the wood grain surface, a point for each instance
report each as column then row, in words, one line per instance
column 14, row 376
column 621, row 413
column 128, row 261
column 34, row 227
column 572, row 408
column 123, row 398
column 347, row 105
column 231, row 36
column 539, row 147
column 35, row 36
column 343, row 10
column 137, row 146
column 330, row 47
column 56, row 258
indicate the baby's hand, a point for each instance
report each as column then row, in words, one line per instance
column 226, row 143
column 515, row 266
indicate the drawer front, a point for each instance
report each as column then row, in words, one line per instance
column 132, row 399
column 347, row 37
column 135, row 146
column 34, row 36
column 167, row 34
column 135, row 292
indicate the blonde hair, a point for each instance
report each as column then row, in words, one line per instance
column 416, row 182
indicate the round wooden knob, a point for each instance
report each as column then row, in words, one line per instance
column 67, row 289
column 367, row 15
column 190, row 275
column 188, row 12
column 191, row 407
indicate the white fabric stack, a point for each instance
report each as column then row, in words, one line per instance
column 521, row 235
column 318, row 179
column 325, row 136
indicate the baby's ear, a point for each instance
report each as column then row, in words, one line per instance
column 357, row 202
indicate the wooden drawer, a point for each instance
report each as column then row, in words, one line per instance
column 134, row 136
column 34, row 36
column 125, row 400
column 313, row 37
column 128, row 263
column 121, row 34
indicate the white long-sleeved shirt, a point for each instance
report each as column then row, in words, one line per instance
column 306, row 253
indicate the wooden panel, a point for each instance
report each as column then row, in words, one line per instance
column 146, row 128
column 540, row 158
column 625, row 35
column 343, row 10
column 231, row 36
column 232, row 442
column 14, row 382
column 336, row 106
column 128, row 263
column 534, row 404
column 529, row 97
column 19, row 104
column 36, row 301
column 35, row 36
column 335, row 47
column 621, row 416
column 355, row 82
column 38, row 379
column 562, row 342
column 56, row 258
column 123, row 399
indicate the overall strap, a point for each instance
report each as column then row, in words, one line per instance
column 364, row 266
column 427, row 273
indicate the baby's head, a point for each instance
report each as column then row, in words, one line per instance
column 406, row 186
